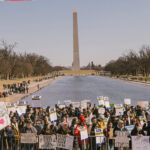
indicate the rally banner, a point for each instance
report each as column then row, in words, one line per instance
column 47, row 142
column 65, row 142
column 99, row 136
column 4, row 117
column 52, row 114
column 140, row 142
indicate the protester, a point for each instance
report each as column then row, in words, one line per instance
column 77, row 122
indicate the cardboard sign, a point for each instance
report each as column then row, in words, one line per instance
column 100, row 100
column 21, row 109
column 28, row 138
column 47, row 142
column 127, row 101
column 99, row 136
column 121, row 139
column 4, row 117
column 106, row 102
column 119, row 109
column 83, row 133
column 65, row 142
column 52, row 114
column 140, row 143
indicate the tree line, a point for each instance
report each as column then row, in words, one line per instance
column 13, row 65
column 133, row 63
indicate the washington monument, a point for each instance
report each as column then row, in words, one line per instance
column 76, row 60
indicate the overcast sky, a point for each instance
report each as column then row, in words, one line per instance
column 107, row 28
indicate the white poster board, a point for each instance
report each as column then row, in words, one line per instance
column 83, row 133
column 119, row 109
column 52, row 114
column 28, row 138
column 101, row 110
column 36, row 101
column 65, row 142
column 47, row 142
column 122, row 139
column 100, row 100
column 4, row 117
column 99, row 136
column 140, row 143
column 106, row 102
column 127, row 101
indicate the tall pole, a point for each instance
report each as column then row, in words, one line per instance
column 76, row 60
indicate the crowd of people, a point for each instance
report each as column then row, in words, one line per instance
column 10, row 89
column 37, row 120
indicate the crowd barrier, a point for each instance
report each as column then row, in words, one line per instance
column 59, row 142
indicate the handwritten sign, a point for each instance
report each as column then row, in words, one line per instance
column 101, row 110
column 121, row 139
column 4, row 117
column 47, row 142
column 140, row 142
column 28, row 138
column 65, row 142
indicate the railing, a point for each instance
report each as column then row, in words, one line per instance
column 15, row 143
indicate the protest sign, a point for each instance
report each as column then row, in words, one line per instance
column 69, row 120
column 21, row 108
column 127, row 101
column 106, row 102
column 129, row 128
column 4, row 117
column 122, row 139
column 83, row 133
column 85, row 104
column 106, row 121
column 142, row 118
column 100, row 100
column 75, row 104
column 140, row 142
column 28, row 138
column 47, row 142
column 119, row 109
column 62, row 106
column 143, row 104
column 101, row 110
column 65, row 142
column 36, row 101
column 99, row 136
column 52, row 114
column 67, row 102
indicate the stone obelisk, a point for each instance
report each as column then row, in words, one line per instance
column 76, row 60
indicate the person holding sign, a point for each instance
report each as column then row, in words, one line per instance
column 137, row 131
column 81, row 132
